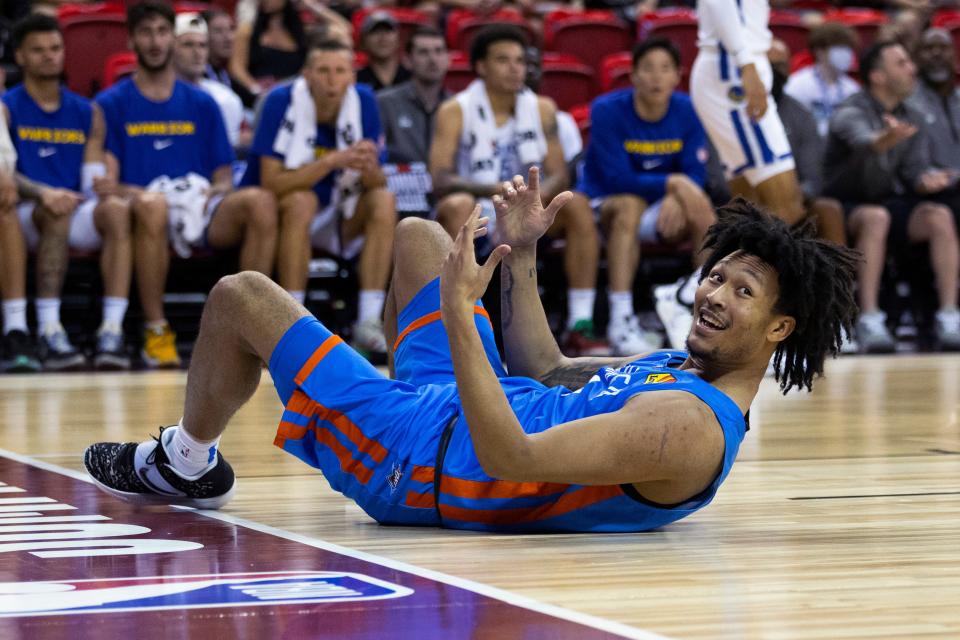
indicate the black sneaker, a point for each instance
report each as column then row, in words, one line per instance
column 19, row 354
column 56, row 352
column 111, row 465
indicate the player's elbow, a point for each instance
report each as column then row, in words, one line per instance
column 513, row 465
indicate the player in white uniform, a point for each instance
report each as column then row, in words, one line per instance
column 730, row 86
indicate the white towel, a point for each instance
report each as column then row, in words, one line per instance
column 479, row 131
column 187, row 212
column 296, row 140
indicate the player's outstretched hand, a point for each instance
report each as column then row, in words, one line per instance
column 521, row 217
column 462, row 280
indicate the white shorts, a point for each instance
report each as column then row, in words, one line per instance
column 83, row 232
column 325, row 235
column 647, row 229
column 756, row 151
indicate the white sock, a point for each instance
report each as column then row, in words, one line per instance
column 155, row 325
column 113, row 310
column 370, row 305
column 48, row 314
column 189, row 456
column 579, row 305
column 621, row 306
column 299, row 296
column 15, row 315
column 689, row 288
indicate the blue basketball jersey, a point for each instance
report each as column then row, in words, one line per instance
column 184, row 134
column 627, row 154
column 49, row 145
column 469, row 499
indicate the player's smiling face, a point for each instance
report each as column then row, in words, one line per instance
column 734, row 317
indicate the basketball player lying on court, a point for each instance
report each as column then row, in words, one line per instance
column 559, row 444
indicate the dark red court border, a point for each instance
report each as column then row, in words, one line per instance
column 67, row 571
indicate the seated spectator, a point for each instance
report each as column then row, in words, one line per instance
column 807, row 146
column 877, row 163
column 271, row 48
column 380, row 40
column 315, row 148
column 59, row 139
column 221, row 37
column 823, row 85
column 167, row 150
column 17, row 353
column 190, row 62
column 568, row 133
column 644, row 170
column 938, row 97
column 494, row 130
column 407, row 112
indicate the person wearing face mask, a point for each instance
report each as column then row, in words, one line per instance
column 823, row 85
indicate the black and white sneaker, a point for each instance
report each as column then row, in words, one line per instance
column 112, row 465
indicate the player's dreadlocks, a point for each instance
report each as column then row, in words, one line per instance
column 816, row 284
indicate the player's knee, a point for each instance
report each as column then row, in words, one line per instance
column 234, row 290
column 939, row 220
column 114, row 217
column 262, row 211
column 297, row 209
column 873, row 219
column 412, row 234
column 150, row 211
column 453, row 209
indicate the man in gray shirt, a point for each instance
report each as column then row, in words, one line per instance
column 938, row 98
column 878, row 163
column 407, row 113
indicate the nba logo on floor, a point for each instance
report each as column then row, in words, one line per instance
column 109, row 595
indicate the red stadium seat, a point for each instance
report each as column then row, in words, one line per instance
column 117, row 66
column 866, row 22
column 463, row 24
column 91, row 33
column 589, row 35
column 677, row 25
column 615, row 71
column 566, row 79
column 459, row 75
column 407, row 21
column 790, row 28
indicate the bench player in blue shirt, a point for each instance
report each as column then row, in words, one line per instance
column 644, row 170
column 561, row 444
column 59, row 139
column 160, row 126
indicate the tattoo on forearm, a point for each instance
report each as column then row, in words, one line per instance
column 572, row 376
column 506, row 297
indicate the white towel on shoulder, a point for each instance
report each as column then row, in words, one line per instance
column 296, row 140
column 479, row 132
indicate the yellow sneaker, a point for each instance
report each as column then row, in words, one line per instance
column 160, row 348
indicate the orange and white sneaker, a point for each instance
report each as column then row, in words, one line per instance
column 160, row 348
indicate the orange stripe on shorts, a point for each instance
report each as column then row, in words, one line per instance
column 316, row 357
column 423, row 321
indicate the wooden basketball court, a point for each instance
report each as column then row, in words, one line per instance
column 841, row 517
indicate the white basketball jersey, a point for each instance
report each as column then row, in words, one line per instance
column 739, row 28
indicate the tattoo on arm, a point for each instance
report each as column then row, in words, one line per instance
column 506, row 298
column 575, row 373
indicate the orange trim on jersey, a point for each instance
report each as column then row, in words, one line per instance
column 419, row 500
column 422, row 474
column 571, row 502
column 300, row 403
column 423, row 321
column 479, row 489
column 315, row 359
column 303, row 405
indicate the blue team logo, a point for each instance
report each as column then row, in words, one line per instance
column 109, row 595
column 736, row 94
